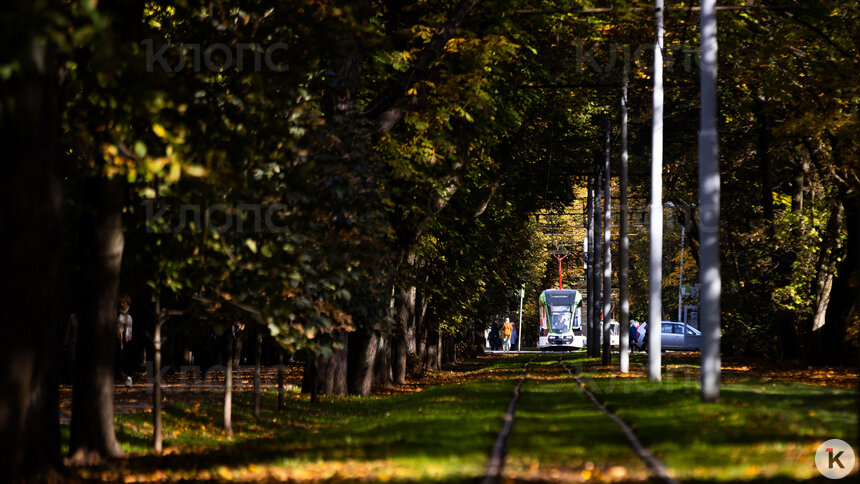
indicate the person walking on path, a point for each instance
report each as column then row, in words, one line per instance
column 507, row 328
column 123, row 334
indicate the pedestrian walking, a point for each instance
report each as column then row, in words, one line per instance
column 123, row 336
column 507, row 328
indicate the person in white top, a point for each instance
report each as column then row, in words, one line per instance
column 123, row 333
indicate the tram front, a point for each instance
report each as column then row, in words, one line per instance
column 561, row 319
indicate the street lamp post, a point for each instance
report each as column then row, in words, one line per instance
column 655, row 272
column 520, row 328
column 681, row 278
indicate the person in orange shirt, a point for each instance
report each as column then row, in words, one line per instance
column 507, row 329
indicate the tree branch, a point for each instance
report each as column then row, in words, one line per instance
column 385, row 110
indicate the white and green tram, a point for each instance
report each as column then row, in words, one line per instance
column 561, row 319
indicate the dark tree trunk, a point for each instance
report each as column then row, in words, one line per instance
column 156, row 380
column 31, row 200
column 589, row 274
column 258, row 353
column 398, row 359
column 827, row 264
column 418, row 308
column 449, row 351
column 228, row 382
column 156, row 390
column 597, row 254
column 238, row 343
column 405, row 326
column 327, row 374
column 432, row 348
column 92, row 430
column 844, row 308
column 281, row 402
column 382, row 365
column 798, row 183
column 363, row 345
column 421, row 327
column 763, row 152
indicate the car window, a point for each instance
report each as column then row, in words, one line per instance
column 667, row 328
column 692, row 331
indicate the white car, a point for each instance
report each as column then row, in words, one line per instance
column 674, row 336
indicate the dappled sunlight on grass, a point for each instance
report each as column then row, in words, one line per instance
column 560, row 436
column 440, row 433
column 758, row 430
column 443, row 426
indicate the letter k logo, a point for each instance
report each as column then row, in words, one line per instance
column 834, row 458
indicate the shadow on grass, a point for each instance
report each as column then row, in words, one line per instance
column 758, row 428
column 558, row 428
column 453, row 426
column 452, row 422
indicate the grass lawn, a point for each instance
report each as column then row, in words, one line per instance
column 442, row 433
column 760, row 431
column 560, row 435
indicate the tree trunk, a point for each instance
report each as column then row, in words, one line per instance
column 589, row 273
column 827, row 263
column 92, row 430
column 763, row 152
column 844, row 308
column 32, row 199
column 228, row 383
column 438, row 343
column 237, row 346
column 156, row 379
column 363, row 344
column 597, row 254
column 281, row 403
column 607, row 245
column 797, row 184
column 326, row 375
column 258, row 353
column 382, row 365
column 624, row 241
column 405, row 319
column 421, row 327
column 432, row 349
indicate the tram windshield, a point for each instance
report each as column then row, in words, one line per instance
column 562, row 317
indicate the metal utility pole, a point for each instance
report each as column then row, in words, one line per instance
column 589, row 261
column 681, row 278
column 655, row 274
column 598, row 265
column 709, row 208
column 624, row 242
column 607, row 238
column 520, row 330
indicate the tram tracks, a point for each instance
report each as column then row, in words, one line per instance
column 655, row 466
column 495, row 466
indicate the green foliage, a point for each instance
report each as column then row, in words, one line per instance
column 485, row 137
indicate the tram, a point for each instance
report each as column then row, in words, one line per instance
column 561, row 319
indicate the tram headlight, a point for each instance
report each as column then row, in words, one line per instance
column 561, row 339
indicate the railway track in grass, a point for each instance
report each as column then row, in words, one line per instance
column 525, row 386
